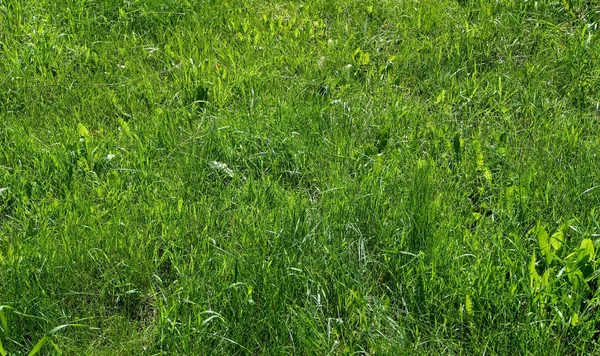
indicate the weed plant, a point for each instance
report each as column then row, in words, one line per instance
column 299, row 177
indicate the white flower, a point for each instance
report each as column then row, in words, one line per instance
column 321, row 61
column 110, row 156
column 222, row 167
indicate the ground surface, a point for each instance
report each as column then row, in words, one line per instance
column 251, row 177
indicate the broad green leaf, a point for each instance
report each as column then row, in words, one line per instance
column 585, row 255
column 557, row 240
column 82, row 131
column 533, row 275
column 544, row 243
column 577, row 279
column 2, row 352
column 545, row 280
column 574, row 319
column 124, row 127
column 487, row 174
column 586, row 249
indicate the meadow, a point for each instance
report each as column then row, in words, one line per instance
column 391, row 177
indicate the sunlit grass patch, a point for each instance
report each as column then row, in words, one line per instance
column 243, row 177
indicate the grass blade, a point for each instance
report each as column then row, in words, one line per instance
column 39, row 345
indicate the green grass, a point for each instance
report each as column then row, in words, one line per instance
column 301, row 177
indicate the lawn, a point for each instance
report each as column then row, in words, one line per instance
column 378, row 177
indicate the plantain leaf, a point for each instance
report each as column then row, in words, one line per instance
column 487, row 174
column 574, row 319
column 533, row 275
column 557, row 240
column 585, row 256
column 82, row 131
column 544, row 243
column 586, row 249
column 124, row 127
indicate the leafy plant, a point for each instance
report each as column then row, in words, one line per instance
column 562, row 279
